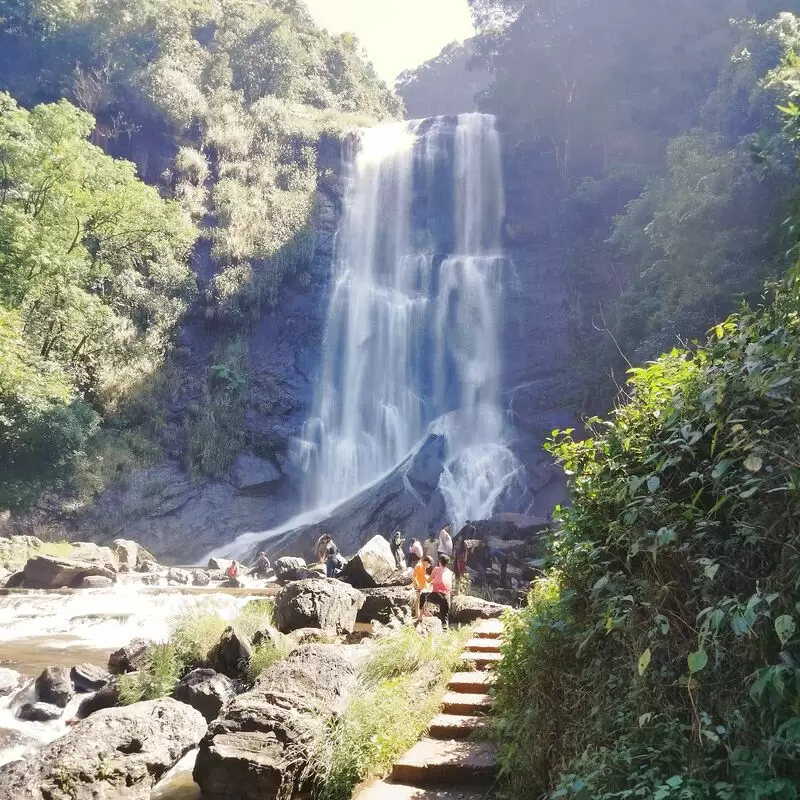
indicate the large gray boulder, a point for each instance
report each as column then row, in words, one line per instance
column 233, row 653
column 46, row 572
column 54, row 686
column 317, row 603
column 290, row 568
column 128, row 658
column 207, row 691
column 465, row 609
column 39, row 712
column 256, row 749
column 387, row 603
column 106, row 697
column 116, row 753
column 130, row 555
column 371, row 565
column 88, row 678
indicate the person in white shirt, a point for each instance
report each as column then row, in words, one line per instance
column 446, row 541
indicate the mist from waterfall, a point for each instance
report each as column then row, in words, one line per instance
column 412, row 334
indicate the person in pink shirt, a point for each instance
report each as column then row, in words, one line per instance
column 442, row 588
column 414, row 553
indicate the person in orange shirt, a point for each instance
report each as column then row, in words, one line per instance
column 420, row 579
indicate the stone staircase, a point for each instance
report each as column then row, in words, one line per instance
column 452, row 762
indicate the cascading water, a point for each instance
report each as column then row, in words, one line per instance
column 412, row 336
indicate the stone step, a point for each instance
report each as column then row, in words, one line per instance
column 442, row 762
column 489, row 629
column 471, row 682
column 456, row 726
column 483, row 645
column 463, row 703
column 481, row 660
column 386, row 790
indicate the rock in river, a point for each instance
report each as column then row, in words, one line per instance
column 255, row 750
column 116, row 753
column 10, row 681
column 54, row 686
column 317, row 603
column 128, row 658
column 39, row 712
column 88, row 678
column 44, row 572
column 207, row 691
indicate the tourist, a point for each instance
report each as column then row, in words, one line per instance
column 414, row 553
column 321, row 548
column 469, row 531
column 442, row 586
column 262, row 567
column 431, row 547
column 420, row 579
column 445, row 547
column 233, row 571
column 461, row 557
column 396, row 546
column 333, row 561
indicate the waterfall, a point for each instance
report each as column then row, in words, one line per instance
column 412, row 333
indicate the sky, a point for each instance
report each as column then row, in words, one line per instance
column 397, row 34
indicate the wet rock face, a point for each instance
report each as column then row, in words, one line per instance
column 39, row 712
column 255, row 749
column 88, row 678
column 317, row 603
column 54, row 686
column 207, row 691
column 255, row 475
column 115, row 753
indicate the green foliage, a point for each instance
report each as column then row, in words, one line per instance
column 660, row 660
column 401, row 687
column 161, row 670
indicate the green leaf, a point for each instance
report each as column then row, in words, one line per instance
column 601, row 583
column 753, row 463
column 675, row 781
column 644, row 661
column 711, row 571
column 653, row 482
column 697, row 661
column 721, row 467
column 739, row 625
column 785, row 627
column 645, row 718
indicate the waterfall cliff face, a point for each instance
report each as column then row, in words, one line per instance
column 412, row 341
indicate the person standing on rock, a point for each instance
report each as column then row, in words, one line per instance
column 442, row 586
column 321, row 548
column 431, row 547
column 446, row 541
column 262, row 567
column 469, row 531
column 420, row 579
column 396, row 546
column 414, row 553
column 333, row 560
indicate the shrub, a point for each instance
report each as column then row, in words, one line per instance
column 162, row 668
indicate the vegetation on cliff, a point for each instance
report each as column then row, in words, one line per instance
column 660, row 657
column 221, row 106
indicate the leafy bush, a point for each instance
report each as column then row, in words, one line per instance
column 661, row 659
column 161, row 670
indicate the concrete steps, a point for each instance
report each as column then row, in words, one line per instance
column 456, row 726
column 442, row 762
column 453, row 761
column 463, row 703
column 384, row 790
column 470, row 682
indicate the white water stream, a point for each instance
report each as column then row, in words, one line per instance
column 412, row 341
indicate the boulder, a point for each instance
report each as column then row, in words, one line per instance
column 88, row 678
column 181, row 577
column 220, row 564
column 4, row 575
column 54, row 686
column 257, row 748
column 46, row 572
column 152, row 567
column 200, row 578
column 429, row 625
column 267, row 636
column 39, row 712
column 130, row 555
column 10, row 681
column 207, row 691
column 465, row 609
column 400, row 577
column 107, row 697
column 313, row 636
column 317, row 603
column 233, row 653
column 95, row 582
column 255, row 475
column 151, row 579
column 16, row 550
column 128, row 658
column 288, row 567
column 371, row 565
column 387, row 603
column 94, row 554
column 115, row 753
column 14, row 580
